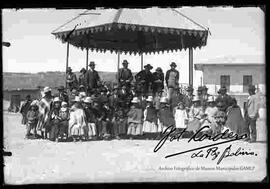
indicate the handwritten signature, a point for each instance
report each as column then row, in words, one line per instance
column 172, row 134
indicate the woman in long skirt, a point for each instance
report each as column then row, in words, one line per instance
column 135, row 115
column 150, row 129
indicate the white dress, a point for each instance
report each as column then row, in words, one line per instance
column 180, row 116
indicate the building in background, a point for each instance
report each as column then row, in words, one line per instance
column 236, row 73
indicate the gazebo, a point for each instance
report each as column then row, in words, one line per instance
column 133, row 31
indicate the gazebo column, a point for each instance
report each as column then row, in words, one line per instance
column 118, row 66
column 67, row 61
column 142, row 61
column 190, row 66
column 87, row 52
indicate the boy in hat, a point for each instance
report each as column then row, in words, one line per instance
column 119, row 124
column 252, row 113
column 90, row 118
column 82, row 77
column 71, row 79
column 188, row 98
column 54, row 119
column 145, row 79
column 135, row 116
column 92, row 76
column 158, row 81
column 165, row 116
column 180, row 116
column 32, row 120
column 150, row 119
column 63, row 124
column 125, row 76
column 172, row 79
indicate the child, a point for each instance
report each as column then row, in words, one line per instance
column 105, row 119
column 63, row 124
column 180, row 115
column 195, row 115
column 150, row 119
column 32, row 120
column 119, row 124
column 210, row 111
column 165, row 116
column 90, row 118
column 135, row 119
column 55, row 119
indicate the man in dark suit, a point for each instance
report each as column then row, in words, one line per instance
column 125, row 76
column 92, row 77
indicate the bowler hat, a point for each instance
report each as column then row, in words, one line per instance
column 173, row 64
column 159, row 69
column 204, row 88
column 135, row 100
column 47, row 89
column 200, row 88
column 125, row 62
column 82, row 70
column 148, row 66
column 92, row 63
column 149, row 99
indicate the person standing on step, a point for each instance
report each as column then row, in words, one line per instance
column 172, row 79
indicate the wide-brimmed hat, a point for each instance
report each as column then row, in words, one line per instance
column 148, row 66
column 115, row 87
column 173, row 64
column 92, row 63
column 125, row 62
column 81, row 86
column 164, row 100
column 179, row 103
column 61, row 88
column 87, row 100
column 47, row 89
column 211, row 99
column 189, row 88
column 77, row 99
column 251, row 88
column 69, row 68
column 103, row 89
column 149, row 99
column 56, row 99
column 223, row 88
column 196, row 99
column 34, row 103
column 64, row 103
column 135, row 100
column 82, row 94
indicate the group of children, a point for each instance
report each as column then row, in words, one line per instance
column 86, row 118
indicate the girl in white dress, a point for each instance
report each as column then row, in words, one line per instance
column 180, row 116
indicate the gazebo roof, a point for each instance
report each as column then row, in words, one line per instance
column 133, row 30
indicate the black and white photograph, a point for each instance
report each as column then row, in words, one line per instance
column 132, row 95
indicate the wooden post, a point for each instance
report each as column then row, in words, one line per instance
column 191, row 66
column 118, row 66
column 87, row 51
column 142, row 61
column 67, row 61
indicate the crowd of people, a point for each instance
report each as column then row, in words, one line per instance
column 89, row 110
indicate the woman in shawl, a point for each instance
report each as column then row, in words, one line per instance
column 135, row 115
column 235, row 120
column 45, row 106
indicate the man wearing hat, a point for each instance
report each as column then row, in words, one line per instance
column 188, row 97
column 71, row 79
column 172, row 79
column 224, row 98
column 145, row 79
column 92, row 77
column 62, row 94
column 125, row 76
column 252, row 113
column 158, row 81
column 82, row 77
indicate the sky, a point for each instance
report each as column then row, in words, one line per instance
column 234, row 32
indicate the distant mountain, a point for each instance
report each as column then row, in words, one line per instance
column 52, row 79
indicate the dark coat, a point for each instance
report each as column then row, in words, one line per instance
column 144, row 77
column 157, row 86
column 71, row 80
column 226, row 100
column 124, row 75
column 168, row 74
column 92, row 79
